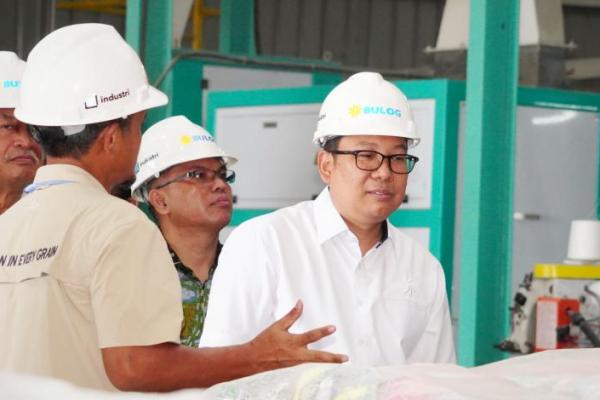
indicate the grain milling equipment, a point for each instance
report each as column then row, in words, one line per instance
column 558, row 305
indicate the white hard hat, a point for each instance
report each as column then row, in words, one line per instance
column 84, row 74
column 11, row 70
column 365, row 104
column 170, row 142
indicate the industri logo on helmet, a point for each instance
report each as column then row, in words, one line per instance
column 365, row 104
column 170, row 142
column 11, row 70
column 84, row 74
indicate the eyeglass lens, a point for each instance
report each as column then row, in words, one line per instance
column 372, row 160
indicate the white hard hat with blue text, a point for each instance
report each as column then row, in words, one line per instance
column 366, row 104
column 170, row 142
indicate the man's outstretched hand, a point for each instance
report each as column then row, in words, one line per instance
column 276, row 347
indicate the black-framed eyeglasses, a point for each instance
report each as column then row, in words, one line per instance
column 371, row 160
column 203, row 176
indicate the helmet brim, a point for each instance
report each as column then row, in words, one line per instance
column 154, row 98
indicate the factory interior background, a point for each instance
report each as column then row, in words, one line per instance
column 499, row 184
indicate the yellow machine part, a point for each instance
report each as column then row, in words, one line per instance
column 566, row 271
column 105, row 6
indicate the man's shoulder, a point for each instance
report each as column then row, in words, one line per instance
column 88, row 207
column 108, row 209
column 276, row 224
column 294, row 214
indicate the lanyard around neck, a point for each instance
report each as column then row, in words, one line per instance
column 44, row 185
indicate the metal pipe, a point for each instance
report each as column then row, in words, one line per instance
column 245, row 60
column 581, row 322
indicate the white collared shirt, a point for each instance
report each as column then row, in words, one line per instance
column 389, row 306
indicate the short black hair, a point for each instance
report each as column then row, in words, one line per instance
column 332, row 144
column 56, row 144
column 122, row 190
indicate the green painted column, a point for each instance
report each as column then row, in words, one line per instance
column 158, row 36
column 158, row 24
column 187, row 90
column 492, row 70
column 132, row 23
column 236, row 27
column 149, row 30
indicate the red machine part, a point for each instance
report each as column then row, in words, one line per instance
column 553, row 324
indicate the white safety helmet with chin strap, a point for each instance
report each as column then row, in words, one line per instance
column 366, row 104
column 170, row 142
column 11, row 71
column 84, row 74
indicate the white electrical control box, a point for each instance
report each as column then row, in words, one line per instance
column 276, row 166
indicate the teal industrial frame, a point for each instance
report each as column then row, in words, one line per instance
column 492, row 66
column 188, row 81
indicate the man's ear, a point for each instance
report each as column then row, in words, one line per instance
column 325, row 163
column 110, row 137
column 158, row 201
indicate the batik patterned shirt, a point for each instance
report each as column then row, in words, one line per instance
column 194, row 296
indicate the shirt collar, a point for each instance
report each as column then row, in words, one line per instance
column 67, row 172
column 330, row 223
column 384, row 233
column 184, row 269
column 328, row 220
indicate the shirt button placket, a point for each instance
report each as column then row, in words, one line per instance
column 364, row 330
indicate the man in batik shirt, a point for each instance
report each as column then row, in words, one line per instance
column 182, row 175
column 194, row 296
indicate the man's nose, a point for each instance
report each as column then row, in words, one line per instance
column 23, row 138
column 219, row 184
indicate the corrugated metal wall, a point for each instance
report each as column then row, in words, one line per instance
column 381, row 34
column 24, row 22
column 582, row 26
column 370, row 33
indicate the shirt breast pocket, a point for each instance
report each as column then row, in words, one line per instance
column 404, row 319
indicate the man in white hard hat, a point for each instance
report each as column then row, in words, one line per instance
column 184, row 178
column 383, row 290
column 20, row 155
column 88, row 290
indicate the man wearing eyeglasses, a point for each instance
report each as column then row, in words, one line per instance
column 339, row 254
column 182, row 175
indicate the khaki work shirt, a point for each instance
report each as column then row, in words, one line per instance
column 80, row 270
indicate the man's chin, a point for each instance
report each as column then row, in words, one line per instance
column 25, row 173
column 18, row 179
column 223, row 223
